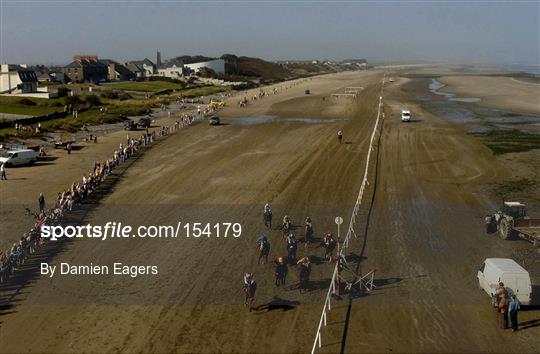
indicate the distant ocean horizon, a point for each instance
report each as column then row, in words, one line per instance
column 530, row 69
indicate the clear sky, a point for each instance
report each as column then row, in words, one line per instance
column 492, row 32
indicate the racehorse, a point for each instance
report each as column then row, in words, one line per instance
column 249, row 290
column 329, row 246
column 309, row 234
column 281, row 271
column 264, row 250
column 286, row 227
column 291, row 248
column 305, row 271
column 267, row 217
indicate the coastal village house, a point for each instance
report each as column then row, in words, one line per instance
column 117, row 71
column 177, row 69
column 86, row 68
column 142, row 68
column 19, row 80
column 16, row 79
column 174, row 71
column 137, row 71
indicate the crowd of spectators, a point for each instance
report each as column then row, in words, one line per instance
column 78, row 192
column 246, row 100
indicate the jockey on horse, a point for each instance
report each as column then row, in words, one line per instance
column 304, row 272
column 264, row 248
column 291, row 247
column 308, row 232
column 280, row 271
column 329, row 246
column 286, row 226
column 267, row 215
column 250, row 286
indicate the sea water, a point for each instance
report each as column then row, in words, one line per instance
column 435, row 87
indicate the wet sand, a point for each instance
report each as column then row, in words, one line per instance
column 503, row 93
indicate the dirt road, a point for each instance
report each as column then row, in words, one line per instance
column 424, row 237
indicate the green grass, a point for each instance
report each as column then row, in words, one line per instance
column 27, row 110
column 115, row 108
column 13, row 105
column 202, row 91
column 90, row 117
column 68, row 124
column 130, row 107
column 144, row 86
column 507, row 141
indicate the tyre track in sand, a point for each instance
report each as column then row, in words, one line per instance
column 426, row 240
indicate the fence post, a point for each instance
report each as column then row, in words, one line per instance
column 335, row 275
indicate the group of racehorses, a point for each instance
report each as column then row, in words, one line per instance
column 281, row 263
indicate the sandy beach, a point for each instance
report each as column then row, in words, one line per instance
column 422, row 206
column 504, row 93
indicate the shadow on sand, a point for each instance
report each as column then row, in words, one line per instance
column 277, row 303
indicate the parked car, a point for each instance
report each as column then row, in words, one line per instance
column 62, row 144
column 214, row 120
column 129, row 125
column 515, row 278
column 144, row 122
column 19, row 157
column 405, row 115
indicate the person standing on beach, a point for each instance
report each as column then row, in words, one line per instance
column 41, row 202
column 503, row 312
column 340, row 136
column 3, row 172
column 513, row 309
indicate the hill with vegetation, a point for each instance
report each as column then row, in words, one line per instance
column 256, row 68
column 242, row 68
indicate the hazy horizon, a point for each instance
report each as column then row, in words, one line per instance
column 51, row 32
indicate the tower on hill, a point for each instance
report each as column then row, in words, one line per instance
column 158, row 59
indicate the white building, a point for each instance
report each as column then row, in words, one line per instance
column 218, row 65
column 17, row 79
column 173, row 72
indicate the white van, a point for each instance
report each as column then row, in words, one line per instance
column 19, row 157
column 405, row 115
column 515, row 278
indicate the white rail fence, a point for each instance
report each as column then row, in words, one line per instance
column 368, row 278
